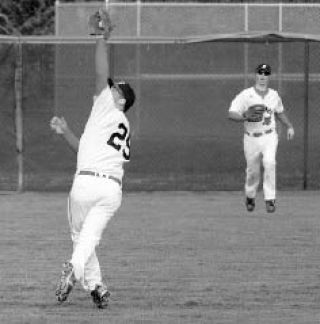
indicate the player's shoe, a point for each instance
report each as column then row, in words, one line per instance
column 100, row 296
column 270, row 206
column 66, row 283
column 250, row 204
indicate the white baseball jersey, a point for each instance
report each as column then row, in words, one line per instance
column 249, row 97
column 105, row 143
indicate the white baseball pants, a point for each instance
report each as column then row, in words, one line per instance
column 256, row 150
column 92, row 203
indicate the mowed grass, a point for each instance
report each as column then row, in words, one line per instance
column 168, row 257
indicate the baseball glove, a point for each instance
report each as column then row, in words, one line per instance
column 100, row 23
column 255, row 113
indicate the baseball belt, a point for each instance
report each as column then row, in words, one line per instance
column 101, row 175
column 268, row 131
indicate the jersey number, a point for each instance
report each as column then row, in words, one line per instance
column 121, row 141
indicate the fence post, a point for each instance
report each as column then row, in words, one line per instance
column 18, row 113
column 138, row 68
column 306, row 116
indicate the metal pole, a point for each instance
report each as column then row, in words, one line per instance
column 306, row 116
column 18, row 114
column 246, row 47
column 56, row 13
column 111, row 47
column 111, row 58
column 138, row 70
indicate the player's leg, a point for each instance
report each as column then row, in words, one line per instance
column 99, row 291
column 83, row 259
column 92, row 272
column 89, row 238
column 76, row 215
column 253, row 159
column 269, row 175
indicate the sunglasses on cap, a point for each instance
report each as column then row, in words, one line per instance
column 264, row 73
column 263, row 69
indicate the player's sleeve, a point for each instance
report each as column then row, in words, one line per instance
column 109, row 84
column 103, row 102
column 279, row 107
column 237, row 105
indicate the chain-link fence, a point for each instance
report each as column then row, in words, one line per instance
column 9, row 169
column 181, row 136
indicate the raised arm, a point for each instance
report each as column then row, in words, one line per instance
column 102, row 27
column 102, row 70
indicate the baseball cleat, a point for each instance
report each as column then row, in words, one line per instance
column 250, row 204
column 270, row 206
column 100, row 296
column 66, row 283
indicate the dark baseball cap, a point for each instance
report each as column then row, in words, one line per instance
column 127, row 92
column 263, row 69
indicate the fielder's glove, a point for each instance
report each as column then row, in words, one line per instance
column 255, row 113
column 100, row 23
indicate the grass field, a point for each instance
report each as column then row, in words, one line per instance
column 168, row 257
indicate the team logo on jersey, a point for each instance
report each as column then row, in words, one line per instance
column 267, row 117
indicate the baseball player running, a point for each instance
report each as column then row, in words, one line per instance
column 96, row 191
column 257, row 107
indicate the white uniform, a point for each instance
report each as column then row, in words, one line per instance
column 260, row 140
column 96, row 192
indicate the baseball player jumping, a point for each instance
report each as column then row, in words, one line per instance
column 257, row 107
column 96, row 191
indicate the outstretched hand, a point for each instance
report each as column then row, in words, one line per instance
column 58, row 124
column 290, row 133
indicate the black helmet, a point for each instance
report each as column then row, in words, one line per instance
column 128, row 93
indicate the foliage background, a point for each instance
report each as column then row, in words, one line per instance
column 27, row 17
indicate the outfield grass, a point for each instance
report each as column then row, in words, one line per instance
column 168, row 257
